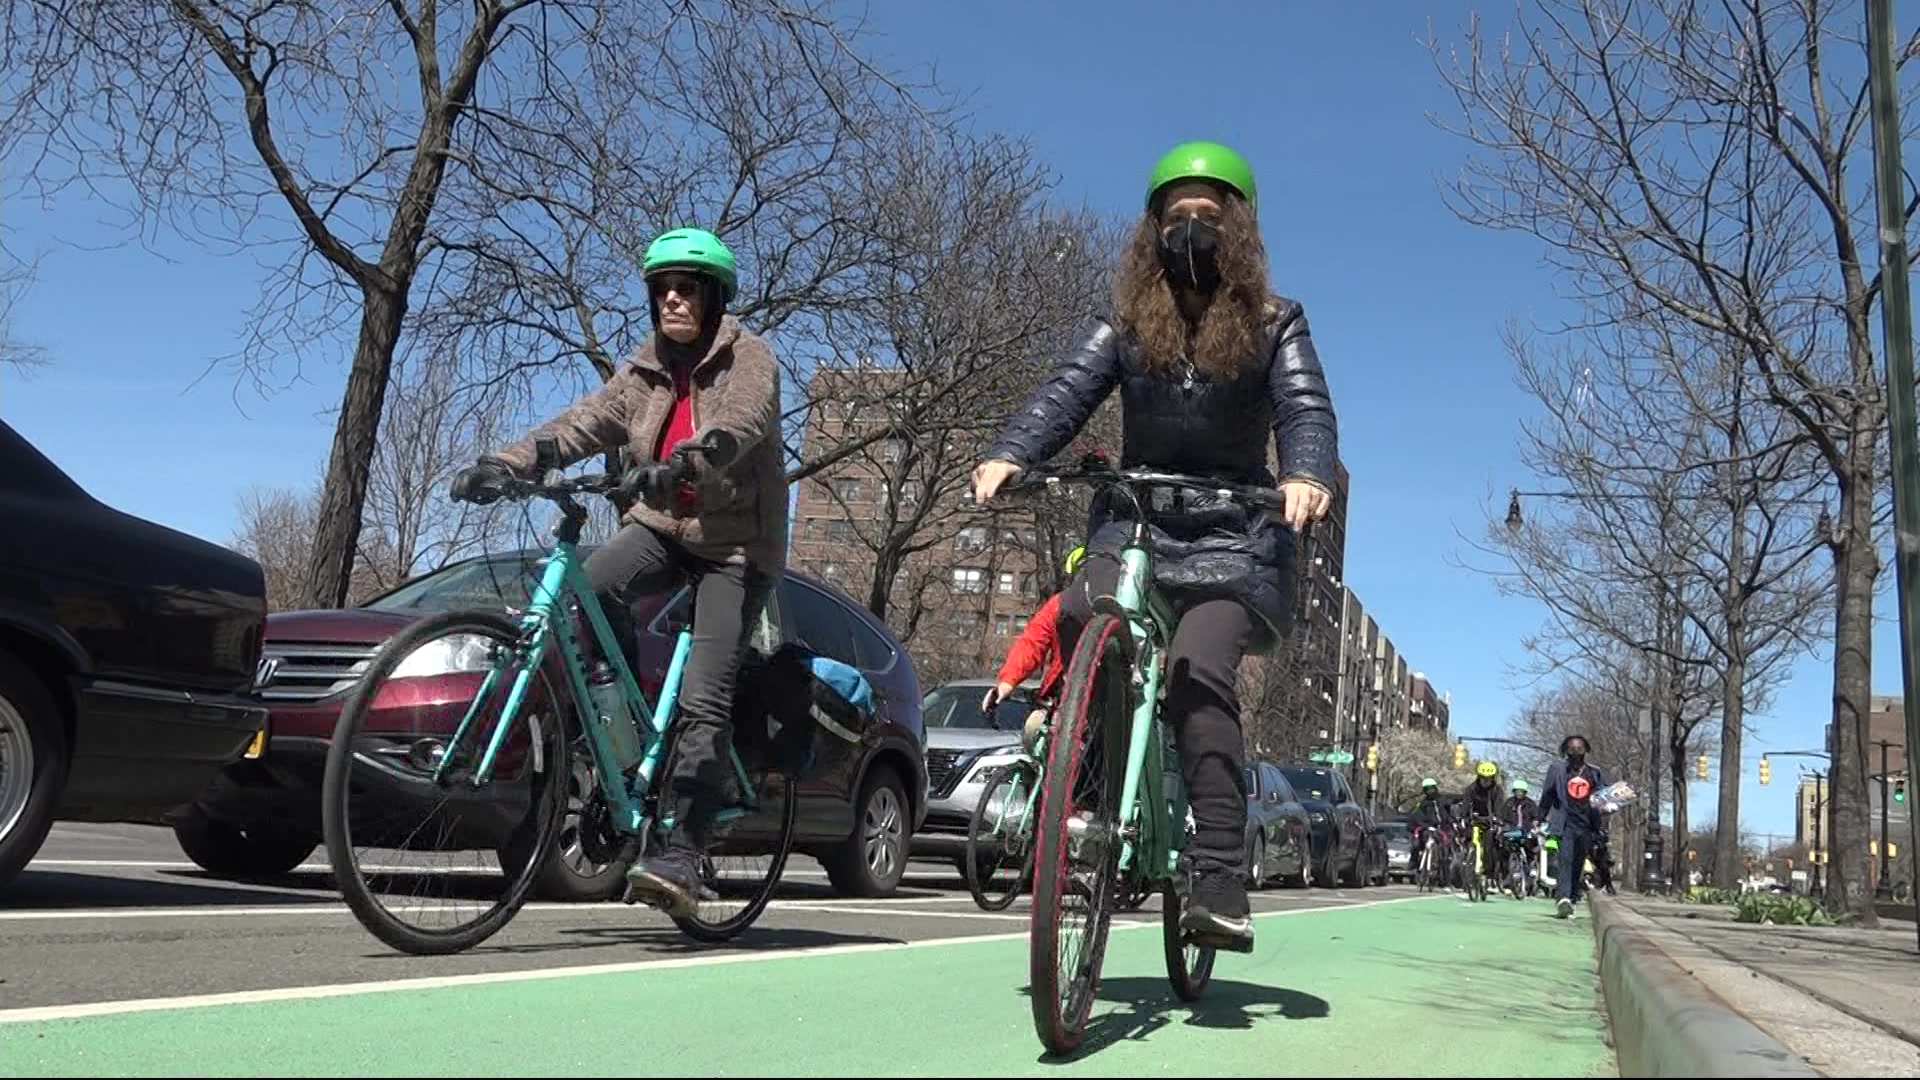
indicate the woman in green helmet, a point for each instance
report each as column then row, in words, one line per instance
column 724, row 529
column 1213, row 370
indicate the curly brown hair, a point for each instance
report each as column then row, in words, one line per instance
column 1230, row 333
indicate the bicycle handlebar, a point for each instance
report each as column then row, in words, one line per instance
column 1095, row 471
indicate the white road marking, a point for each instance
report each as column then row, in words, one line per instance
column 303, row 868
column 437, row 982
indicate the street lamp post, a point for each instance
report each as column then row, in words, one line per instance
column 1896, row 315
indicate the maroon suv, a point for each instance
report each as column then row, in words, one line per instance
column 859, row 803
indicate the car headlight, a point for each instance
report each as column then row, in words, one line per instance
column 457, row 652
column 992, row 759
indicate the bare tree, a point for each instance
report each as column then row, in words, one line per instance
column 1409, row 756
column 1687, row 494
column 15, row 352
column 1696, row 159
column 433, row 428
column 348, row 132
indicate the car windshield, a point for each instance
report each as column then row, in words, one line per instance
column 1311, row 783
column 1396, row 830
column 479, row 583
column 959, row 707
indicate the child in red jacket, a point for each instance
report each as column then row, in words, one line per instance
column 1038, row 643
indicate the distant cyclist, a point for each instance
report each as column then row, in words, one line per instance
column 1482, row 804
column 1038, row 644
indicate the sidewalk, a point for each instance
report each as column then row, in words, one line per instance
column 1845, row 1002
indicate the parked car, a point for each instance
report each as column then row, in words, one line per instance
column 1279, row 832
column 1398, row 834
column 127, row 658
column 962, row 740
column 1340, row 824
column 858, row 803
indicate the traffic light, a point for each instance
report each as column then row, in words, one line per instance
column 1766, row 770
column 1700, row 766
column 1373, row 757
column 1459, row 755
column 1900, row 790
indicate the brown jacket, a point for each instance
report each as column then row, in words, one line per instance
column 742, row 513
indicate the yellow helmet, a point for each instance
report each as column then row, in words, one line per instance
column 1487, row 769
column 1074, row 559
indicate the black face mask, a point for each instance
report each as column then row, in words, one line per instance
column 1189, row 249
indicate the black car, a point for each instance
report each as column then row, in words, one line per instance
column 1279, row 831
column 859, row 803
column 1341, row 826
column 127, row 658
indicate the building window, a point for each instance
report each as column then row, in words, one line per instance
column 841, row 532
column 846, row 489
column 1028, row 584
column 971, row 538
column 892, row 451
column 1006, row 581
column 970, row 579
column 1003, row 625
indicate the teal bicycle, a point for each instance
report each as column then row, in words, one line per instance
column 474, row 731
column 1113, row 806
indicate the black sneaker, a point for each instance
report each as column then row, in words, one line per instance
column 670, row 881
column 1217, row 913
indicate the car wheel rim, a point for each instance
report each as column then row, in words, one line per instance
column 883, row 833
column 16, row 767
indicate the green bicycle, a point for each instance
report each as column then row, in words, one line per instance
column 1113, row 814
column 471, row 731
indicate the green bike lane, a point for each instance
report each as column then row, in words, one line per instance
column 1423, row 986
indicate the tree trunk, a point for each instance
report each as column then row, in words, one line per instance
column 1856, row 567
column 1726, row 832
column 330, row 565
column 1677, row 775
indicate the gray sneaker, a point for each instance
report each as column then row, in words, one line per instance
column 1564, row 908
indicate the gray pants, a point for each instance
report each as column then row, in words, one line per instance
column 726, row 606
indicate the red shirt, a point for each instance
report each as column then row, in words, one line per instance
column 1040, row 640
column 679, row 429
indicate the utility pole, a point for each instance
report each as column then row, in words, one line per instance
column 1886, row 864
column 1896, row 314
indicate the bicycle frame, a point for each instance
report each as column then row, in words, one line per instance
column 1150, row 621
column 562, row 576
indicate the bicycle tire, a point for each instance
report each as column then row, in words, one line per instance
column 1189, row 980
column 727, row 929
column 1103, row 654
column 336, row 789
column 974, row 857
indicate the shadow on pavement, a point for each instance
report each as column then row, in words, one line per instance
column 60, row 890
column 668, row 940
column 1147, row 1005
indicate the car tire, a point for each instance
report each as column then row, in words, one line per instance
column 31, row 734
column 1257, row 863
column 873, row 859
column 228, row 850
column 559, row 879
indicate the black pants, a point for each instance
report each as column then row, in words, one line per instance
column 726, row 607
column 1576, row 842
column 1202, row 706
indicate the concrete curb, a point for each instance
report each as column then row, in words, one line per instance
column 1667, row 1023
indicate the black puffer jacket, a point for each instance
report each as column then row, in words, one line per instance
column 1184, row 421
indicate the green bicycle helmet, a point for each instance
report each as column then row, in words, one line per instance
column 1521, row 786
column 1429, row 782
column 1201, row 159
column 1074, row 559
column 697, row 250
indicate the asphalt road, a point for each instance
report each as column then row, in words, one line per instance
column 119, row 957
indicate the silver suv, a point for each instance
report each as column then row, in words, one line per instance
column 962, row 739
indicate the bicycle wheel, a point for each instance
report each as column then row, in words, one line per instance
column 1076, row 842
column 744, row 890
column 440, row 711
column 996, row 838
column 1189, row 967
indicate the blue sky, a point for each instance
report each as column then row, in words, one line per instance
column 1330, row 102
